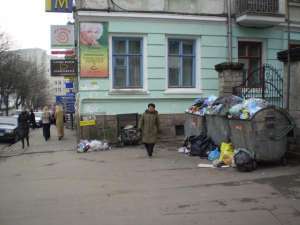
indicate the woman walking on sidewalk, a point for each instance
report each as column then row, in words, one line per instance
column 23, row 124
column 149, row 124
column 46, row 120
column 59, row 119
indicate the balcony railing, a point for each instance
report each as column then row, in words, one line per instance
column 260, row 7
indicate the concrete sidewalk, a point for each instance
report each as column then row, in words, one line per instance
column 38, row 143
column 51, row 184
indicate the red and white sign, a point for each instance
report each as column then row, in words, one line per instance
column 70, row 52
column 62, row 36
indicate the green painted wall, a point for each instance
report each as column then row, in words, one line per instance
column 94, row 93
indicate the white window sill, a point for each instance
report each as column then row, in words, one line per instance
column 187, row 91
column 128, row 92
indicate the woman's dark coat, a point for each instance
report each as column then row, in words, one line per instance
column 150, row 125
column 23, row 124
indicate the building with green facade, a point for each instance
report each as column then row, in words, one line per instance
column 165, row 51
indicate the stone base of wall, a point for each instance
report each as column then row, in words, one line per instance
column 172, row 126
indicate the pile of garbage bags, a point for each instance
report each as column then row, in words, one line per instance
column 231, row 106
column 220, row 156
column 94, row 145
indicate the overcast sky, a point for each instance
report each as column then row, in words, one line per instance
column 28, row 24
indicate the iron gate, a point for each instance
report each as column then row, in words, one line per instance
column 265, row 82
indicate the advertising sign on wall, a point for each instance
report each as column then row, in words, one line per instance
column 63, row 6
column 62, row 36
column 93, row 49
column 62, row 67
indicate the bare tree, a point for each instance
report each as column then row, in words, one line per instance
column 4, row 46
column 22, row 80
column 9, row 73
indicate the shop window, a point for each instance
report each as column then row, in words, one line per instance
column 127, row 61
column 250, row 54
column 181, row 63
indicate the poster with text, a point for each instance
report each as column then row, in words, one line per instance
column 93, row 49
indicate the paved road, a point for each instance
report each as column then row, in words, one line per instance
column 51, row 184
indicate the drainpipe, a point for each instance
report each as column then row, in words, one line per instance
column 229, row 31
column 289, row 57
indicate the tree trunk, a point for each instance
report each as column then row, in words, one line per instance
column 6, row 103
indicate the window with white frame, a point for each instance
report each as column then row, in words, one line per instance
column 181, row 63
column 127, row 62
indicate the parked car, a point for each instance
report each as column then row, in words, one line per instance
column 38, row 119
column 9, row 128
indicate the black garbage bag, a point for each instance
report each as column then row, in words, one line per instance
column 244, row 160
column 201, row 145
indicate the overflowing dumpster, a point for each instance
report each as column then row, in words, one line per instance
column 265, row 134
column 194, row 125
column 217, row 128
column 256, row 130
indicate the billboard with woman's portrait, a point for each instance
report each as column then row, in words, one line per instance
column 93, row 49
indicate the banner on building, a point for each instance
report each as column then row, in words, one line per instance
column 62, row 36
column 93, row 49
column 62, row 6
column 61, row 67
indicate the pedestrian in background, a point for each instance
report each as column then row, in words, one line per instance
column 32, row 119
column 23, row 124
column 59, row 121
column 149, row 125
column 46, row 120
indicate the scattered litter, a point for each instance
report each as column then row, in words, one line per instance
column 184, row 150
column 201, row 165
column 214, row 154
column 244, row 160
column 201, row 145
column 93, row 145
column 227, row 153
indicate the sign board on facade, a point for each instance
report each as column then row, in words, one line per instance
column 67, row 101
column 62, row 36
column 59, row 99
column 61, row 6
column 62, row 67
column 84, row 123
column 93, row 49
column 69, row 85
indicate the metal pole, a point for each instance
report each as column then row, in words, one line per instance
column 77, row 80
column 289, row 58
column 229, row 31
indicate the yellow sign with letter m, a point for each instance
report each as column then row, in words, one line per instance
column 63, row 6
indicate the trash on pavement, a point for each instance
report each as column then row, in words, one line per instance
column 227, row 153
column 214, row 154
column 201, row 145
column 93, row 145
column 202, row 165
column 244, row 160
column 184, row 150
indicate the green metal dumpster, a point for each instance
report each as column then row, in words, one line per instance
column 194, row 125
column 265, row 133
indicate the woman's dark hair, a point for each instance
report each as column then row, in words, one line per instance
column 151, row 104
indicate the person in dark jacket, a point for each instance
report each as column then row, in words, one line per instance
column 32, row 119
column 23, row 123
column 46, row 120
column 149, row 125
